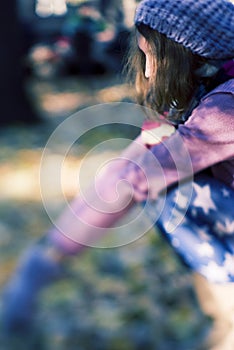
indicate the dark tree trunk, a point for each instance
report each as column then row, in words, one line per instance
column 14, row 104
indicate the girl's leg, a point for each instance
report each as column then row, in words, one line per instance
column 217, row 302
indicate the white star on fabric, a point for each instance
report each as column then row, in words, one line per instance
column 203, row 234
column 177, row 218
column 194, row 212
column 175, row 242
column 203, row 199
column 229, row 263
column 180, row 200
column 225, row 229
column 170, row 226
column 205, row 249
column 215, row 273
column 225, row 192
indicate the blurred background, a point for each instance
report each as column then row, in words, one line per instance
column 59, row 57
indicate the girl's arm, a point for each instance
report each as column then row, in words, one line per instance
column 141, row 174
column 107, row 199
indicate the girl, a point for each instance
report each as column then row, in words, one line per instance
column 182, row 65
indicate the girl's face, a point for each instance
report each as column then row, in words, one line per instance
column 144, row 47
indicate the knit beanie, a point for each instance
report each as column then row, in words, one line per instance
column 206, row 27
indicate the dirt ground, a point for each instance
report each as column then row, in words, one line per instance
column 138, row 296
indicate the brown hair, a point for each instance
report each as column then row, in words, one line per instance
column 174, row 80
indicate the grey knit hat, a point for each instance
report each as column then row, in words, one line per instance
column 206, row 27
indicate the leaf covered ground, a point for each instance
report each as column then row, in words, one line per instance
column 138, row 296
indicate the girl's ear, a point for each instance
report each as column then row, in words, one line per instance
column 144, row 47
